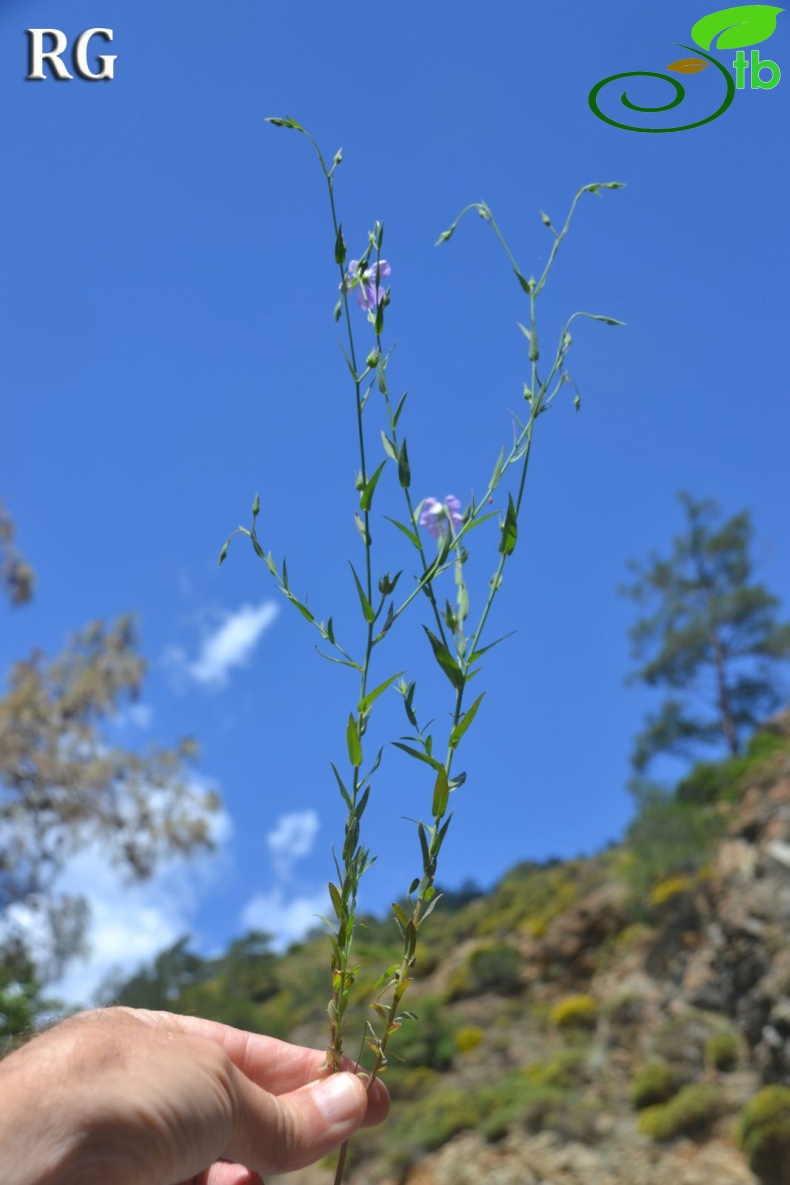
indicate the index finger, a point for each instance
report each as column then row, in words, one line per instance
column 275, row 1065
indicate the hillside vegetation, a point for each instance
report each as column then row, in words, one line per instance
column 624, row 1017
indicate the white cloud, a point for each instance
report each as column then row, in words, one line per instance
column 130, row 923
column 288, row 917
column 229, row 645
column 286, row 920
column 291, row 839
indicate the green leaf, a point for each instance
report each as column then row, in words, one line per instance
column 509, row 530
column 366, row 496
column 367, row 608
column 498, row 469
column 401, row 915
column 340, row 246
column 343, row 791
column 432, row 906
column 389, row 447
column 352, row 740
column 302, row 608
column 284, row 121
column 362, row 529
column 399, row 409
column 426, row 855
column 424, row 757
column 441, row 794
column 747, row 24
column 464, row 722
column 365, row 703
column 526, row 285
column 404, row 471
column 482, row 650
column 446, row 660
column 409, row 534
column 597, row 317
column 337, row 900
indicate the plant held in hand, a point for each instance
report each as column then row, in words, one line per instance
column 456, row 647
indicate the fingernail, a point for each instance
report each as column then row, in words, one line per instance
column 337, row 1098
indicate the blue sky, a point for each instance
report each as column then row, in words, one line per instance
column 168, row 349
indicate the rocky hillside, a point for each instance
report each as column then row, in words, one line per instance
column 620, row 1019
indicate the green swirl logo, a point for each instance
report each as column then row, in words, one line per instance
column 735, row 28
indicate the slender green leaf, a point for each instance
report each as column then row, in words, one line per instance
column 479, row 653
column 424, row 757
column 509, row 530
column 409, row 534
column 404, row 469
column 367, row 700
column 400, row 914
column 352, row 740
column 498, row 469
column 367, row 494
column 464, row 722
column 446, row 660
column 367, row 608
column 362, row 529
column 441, row 794
column 399, row 409
column 389, row 447
column 337, row 900
column 343, row 791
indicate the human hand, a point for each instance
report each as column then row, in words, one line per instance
column 126, row 1096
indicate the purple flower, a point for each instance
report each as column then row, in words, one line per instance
column 370, row 292
column 435, row 515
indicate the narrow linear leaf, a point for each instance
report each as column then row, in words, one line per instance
column 367, row 608
column 404, row 470
column 441, row 794
column 352, row 740
column 337, row 900
column 446, row 660
column 362, row 529
column 424, row 757
column 343, row 791
column 498, row 469
column 367, row 494
column 409, row 534
column 464, row 722
column 509, row 530
column 399, row 409
column 389, row 447
column 400, row 914
column 482, row 650
column 370, row 698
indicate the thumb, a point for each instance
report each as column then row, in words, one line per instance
column 277, row 1134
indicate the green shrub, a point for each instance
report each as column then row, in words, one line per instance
column 428, row 1041
column 765, row 1135
column 575, row 1012
column 655, row 1083
column 722, row 1050
column 689, row 1113
column 708, row 782
column 468, row 1038
column 434, row 1120
column 567, row 1068
column 496, row 969
column 514, row 1101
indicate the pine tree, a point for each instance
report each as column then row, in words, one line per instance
column 711, row 636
